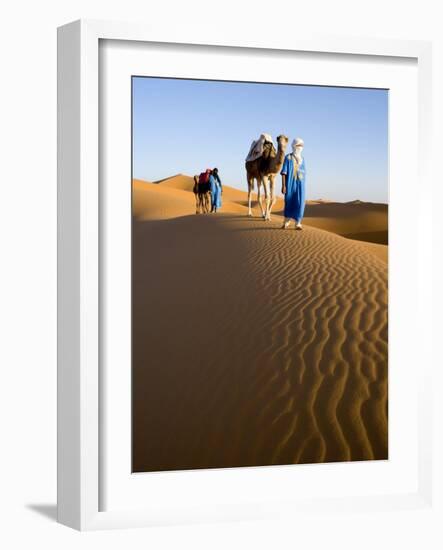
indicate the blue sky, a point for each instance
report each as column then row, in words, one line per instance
column 186, row 126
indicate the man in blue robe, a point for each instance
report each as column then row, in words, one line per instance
column 216, row 190
column 293, row 175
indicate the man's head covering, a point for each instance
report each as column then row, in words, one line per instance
column 298, row 142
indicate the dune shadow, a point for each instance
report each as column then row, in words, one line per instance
column 221, row 217
column 342, row 209
column 377, row 237
column 177, row 356
column 189, row 222
column 264, row 228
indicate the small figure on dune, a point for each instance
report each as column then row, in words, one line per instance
column 201, row 191
column 293, row 176
column 263, row 169
column 216, row 190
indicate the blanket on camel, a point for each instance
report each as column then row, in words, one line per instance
column 257, row 147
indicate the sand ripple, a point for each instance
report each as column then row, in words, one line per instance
column 256, row 346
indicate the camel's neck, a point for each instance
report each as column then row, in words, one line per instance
column 277, row 162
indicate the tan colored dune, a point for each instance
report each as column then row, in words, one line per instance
column 363, row 221
column 253, row 345
column 179, row 181
column 158, row 201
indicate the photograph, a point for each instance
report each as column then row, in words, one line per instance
column 259, row 274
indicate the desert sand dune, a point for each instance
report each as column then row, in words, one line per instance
column 357, row 220
column 363, row 221
column 179, row 181
column 151, row 201
column 253, row 345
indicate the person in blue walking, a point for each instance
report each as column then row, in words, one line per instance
column 293, row 175
column 216, row 190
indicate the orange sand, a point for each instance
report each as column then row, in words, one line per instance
column 253, row 345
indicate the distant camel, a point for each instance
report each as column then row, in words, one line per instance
column 201, row 192
column 264, row 170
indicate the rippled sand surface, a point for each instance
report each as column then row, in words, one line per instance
column 253, row 345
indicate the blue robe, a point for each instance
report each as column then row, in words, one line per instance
column 295, row 188
column 215, row 192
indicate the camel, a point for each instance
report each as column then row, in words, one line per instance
column 264, row 170
column 201, row 197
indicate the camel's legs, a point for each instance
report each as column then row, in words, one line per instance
column 206, row 202
column 250, row 190
column 267, row 214
column 260, row 182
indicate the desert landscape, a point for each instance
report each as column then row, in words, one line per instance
column 253, row 345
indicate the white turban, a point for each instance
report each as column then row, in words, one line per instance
column 296, row 153
column 298, row 142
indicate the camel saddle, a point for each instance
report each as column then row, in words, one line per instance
column 262, row 147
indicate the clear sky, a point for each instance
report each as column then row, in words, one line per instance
column 186, row 126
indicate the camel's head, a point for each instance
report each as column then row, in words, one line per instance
column 283, row 142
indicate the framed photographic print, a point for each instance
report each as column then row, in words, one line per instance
column 239, row 235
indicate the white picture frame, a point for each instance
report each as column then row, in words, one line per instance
column 79, row 372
